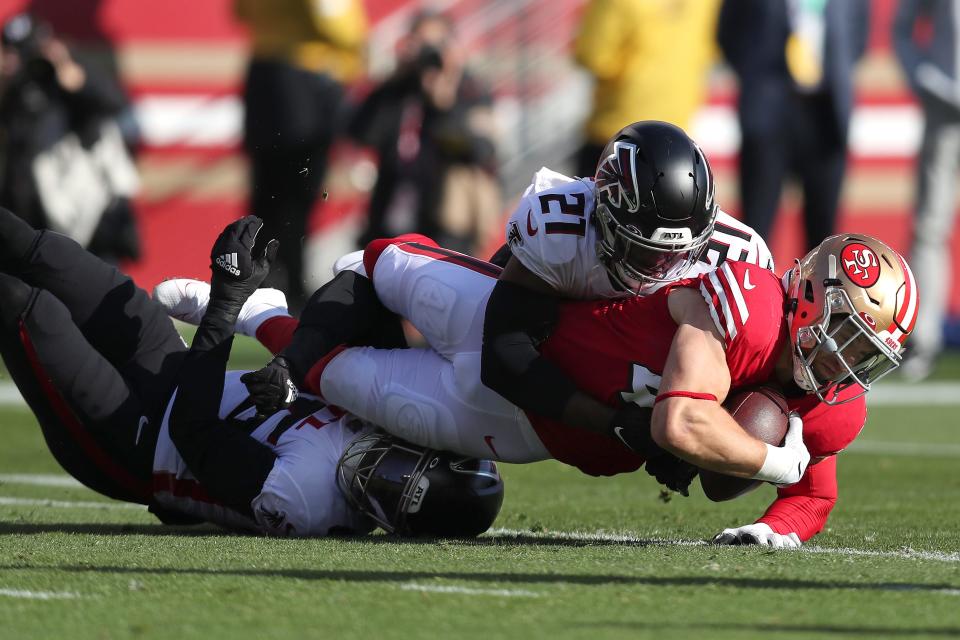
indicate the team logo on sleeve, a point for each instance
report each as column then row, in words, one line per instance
column 514, row 237
column 860, row 264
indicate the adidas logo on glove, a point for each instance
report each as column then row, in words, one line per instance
column 228, row 262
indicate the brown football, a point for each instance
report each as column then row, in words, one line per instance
column 762, row 412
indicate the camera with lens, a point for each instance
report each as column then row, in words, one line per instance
column 428, row 57
column 25, row 35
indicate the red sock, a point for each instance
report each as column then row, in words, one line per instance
column 276, row 333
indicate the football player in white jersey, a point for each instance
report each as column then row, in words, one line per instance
column 647, row 218
column 129, row 411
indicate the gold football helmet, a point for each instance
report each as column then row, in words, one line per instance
column 852, row 303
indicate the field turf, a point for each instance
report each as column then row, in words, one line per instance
column 572, row 557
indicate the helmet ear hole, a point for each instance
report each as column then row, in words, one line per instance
column 808, row 291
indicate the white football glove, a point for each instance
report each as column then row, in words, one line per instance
column 785, row 465
column 759, row 533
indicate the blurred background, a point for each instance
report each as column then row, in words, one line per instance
column 357, row 119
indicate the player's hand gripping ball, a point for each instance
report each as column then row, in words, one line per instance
column 763, row 413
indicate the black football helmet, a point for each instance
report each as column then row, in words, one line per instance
column 413, row 491
column 655, row 205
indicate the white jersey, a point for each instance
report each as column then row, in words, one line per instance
column 300, row 496
column 551, row 234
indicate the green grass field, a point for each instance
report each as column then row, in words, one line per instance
column 573, row 557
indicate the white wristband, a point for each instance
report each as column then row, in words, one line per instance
column 779, row 467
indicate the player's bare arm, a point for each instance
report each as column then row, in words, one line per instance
column 693, row 424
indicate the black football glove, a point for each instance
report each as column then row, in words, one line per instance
column 672, row 472
column 631, row 426
column 271, row 388
column 235, row 272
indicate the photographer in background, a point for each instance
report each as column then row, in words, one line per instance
column 431, row 123
column 63, row 163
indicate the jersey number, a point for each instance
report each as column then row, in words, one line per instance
column 288, row 421
column 576, row 208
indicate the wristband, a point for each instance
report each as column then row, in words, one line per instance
column 685, row 394
column 778, row 466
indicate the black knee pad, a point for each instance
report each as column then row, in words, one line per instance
column 15, row 297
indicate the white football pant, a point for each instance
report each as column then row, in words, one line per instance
column 432, row 397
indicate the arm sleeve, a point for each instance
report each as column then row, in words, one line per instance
column 517, row 320
column 227, row 462
column 803, row 508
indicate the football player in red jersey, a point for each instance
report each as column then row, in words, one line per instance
column 834, row 324
column 646, row 219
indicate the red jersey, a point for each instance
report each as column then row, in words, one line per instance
column 616, row 351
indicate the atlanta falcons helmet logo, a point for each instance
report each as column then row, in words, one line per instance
column 616, row 177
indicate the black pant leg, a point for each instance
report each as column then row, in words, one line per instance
column 821, row 158
column 118, row 319
column 764, row 158
column 291, row 118
column 89, row 416
column 285, row 184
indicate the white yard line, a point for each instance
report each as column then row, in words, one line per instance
column 912, row 449
column 39, row 595
column 600, row 536
column 442, row 588
column 67, row 504
column 575, row 536
column 39, row 480
column 945, row 393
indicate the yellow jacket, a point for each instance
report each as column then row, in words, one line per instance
column 319, row 35
column 649, row 58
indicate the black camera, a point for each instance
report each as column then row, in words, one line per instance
column 25, row 35
column 428, row 57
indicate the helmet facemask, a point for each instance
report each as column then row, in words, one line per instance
column 381, row 477
column 839, row 349
column 413, row 491
column 638, row 264
column 853, row 304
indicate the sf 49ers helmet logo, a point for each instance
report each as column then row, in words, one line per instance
column 860, row 264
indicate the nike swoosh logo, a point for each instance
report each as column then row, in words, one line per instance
column 616, row 432
column 489, row 441
column 143, row 422
column 531, row 230
column 746, row 281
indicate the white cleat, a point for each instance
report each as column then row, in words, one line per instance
column 187, row 300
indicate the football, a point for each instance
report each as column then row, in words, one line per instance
column 762, row 412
